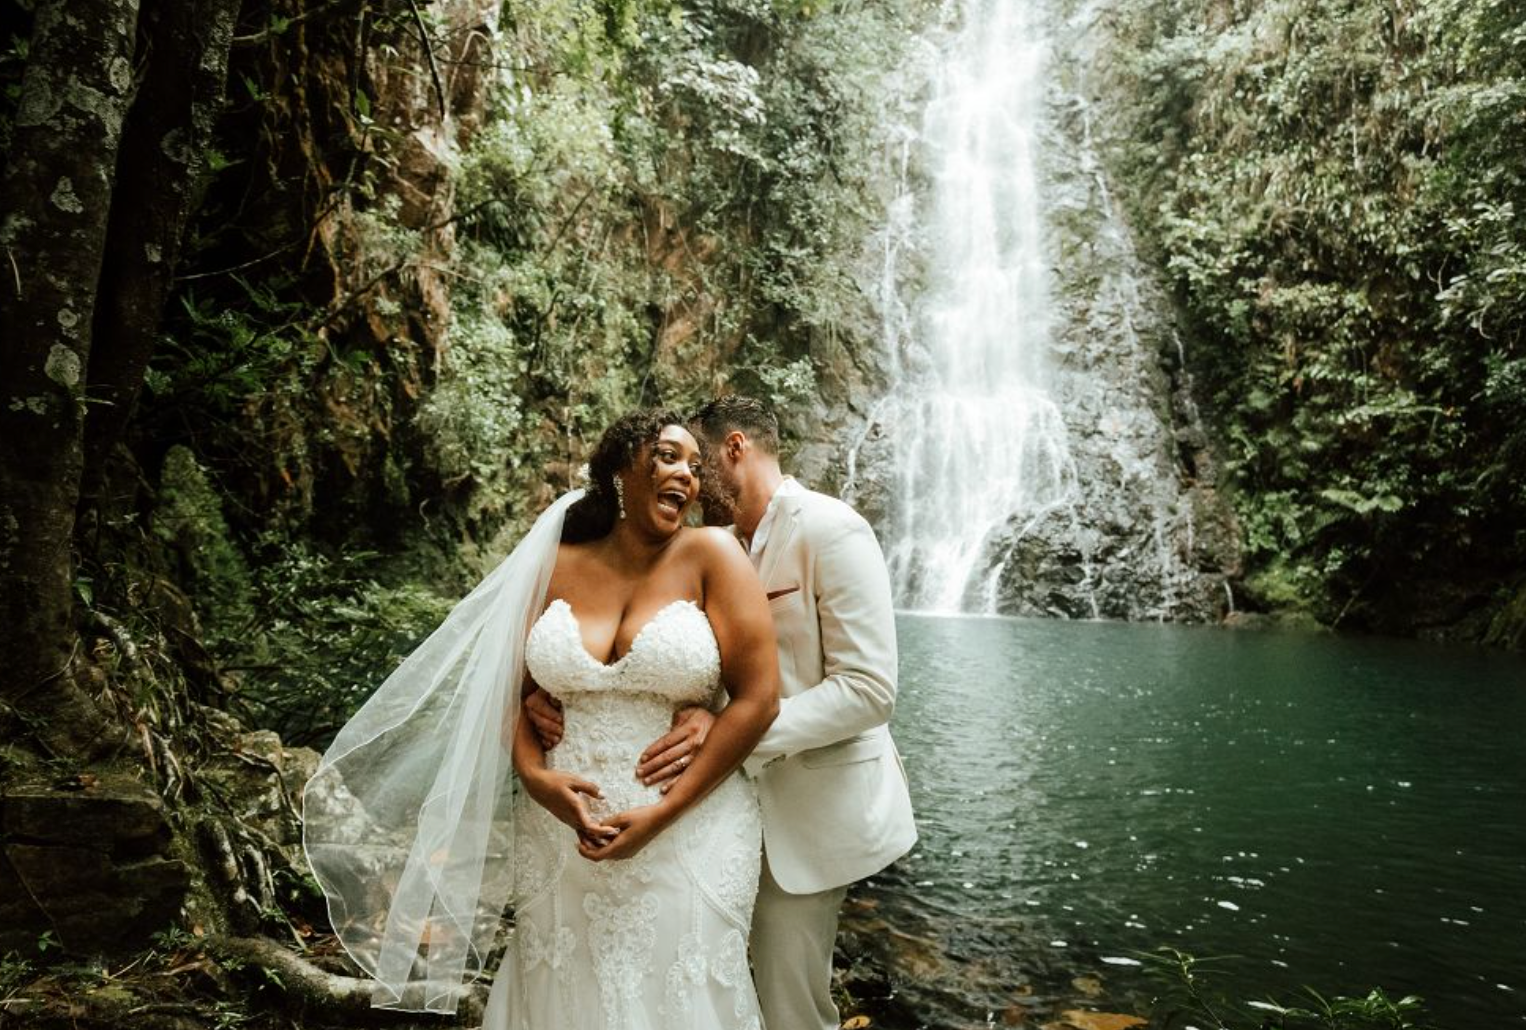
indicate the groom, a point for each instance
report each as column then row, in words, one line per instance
column 835, row 804
column 833, row 792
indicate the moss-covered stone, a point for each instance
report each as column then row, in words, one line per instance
column 90, row 855
column 1508, row 627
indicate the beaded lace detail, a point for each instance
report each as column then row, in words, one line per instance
column 656, row 942
column 673, row 656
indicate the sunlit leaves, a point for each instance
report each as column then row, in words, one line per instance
column 1337, row 191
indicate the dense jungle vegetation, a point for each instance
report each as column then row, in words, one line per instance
column 656, row 203
column 390, row 333
column 310, row 305
column 1336, row 191
column 307, row 305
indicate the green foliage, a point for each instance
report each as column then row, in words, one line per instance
column 189, row 520
column 474, row 410
column 660, row 201
column 1374, row 1010
column 225, row 353
column 16, row 969
column 660, row 210
column 1336, row 189
column 326, row 636
column 13, row 57
column 788, row 384
column 1188, row 997
column 171, row 939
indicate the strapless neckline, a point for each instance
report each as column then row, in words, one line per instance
column 635, row 640
column 674, row 656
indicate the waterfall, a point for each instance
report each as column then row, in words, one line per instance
column 980, row 449
column 1034, row 449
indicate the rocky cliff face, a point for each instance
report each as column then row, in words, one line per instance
column 1150, row 535
column 346, row 168
column 1145, row 533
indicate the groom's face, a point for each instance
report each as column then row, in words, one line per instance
column 717, row 485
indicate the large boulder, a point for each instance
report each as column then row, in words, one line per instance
column 87, row 859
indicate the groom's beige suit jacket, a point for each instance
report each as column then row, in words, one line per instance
column 832, row 787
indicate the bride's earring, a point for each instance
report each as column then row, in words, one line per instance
column 620, row 496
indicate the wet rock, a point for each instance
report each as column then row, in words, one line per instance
column 1079, row 1019
column 1090, row 986
column 1508, row 627
column 262, row 781
column 125, row 819
column 92, row 901
column 87, row 859
column 1301, row 622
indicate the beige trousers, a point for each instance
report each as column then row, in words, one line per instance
column 792, row 940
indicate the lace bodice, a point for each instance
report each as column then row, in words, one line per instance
column 657, row 941
column 612, row 712
column 674, row 656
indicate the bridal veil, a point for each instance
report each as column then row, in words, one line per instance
column 406, row 823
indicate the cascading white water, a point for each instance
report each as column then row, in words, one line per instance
column 979, row 442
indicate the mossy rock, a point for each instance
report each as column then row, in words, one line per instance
column 1508, row 628
column 88, row 859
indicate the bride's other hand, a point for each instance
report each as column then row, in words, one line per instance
column 562, row 795
column 672, row 753
column 633, row 828
column 545, row 714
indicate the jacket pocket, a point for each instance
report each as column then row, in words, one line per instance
column 862, row 748
column 785, row 599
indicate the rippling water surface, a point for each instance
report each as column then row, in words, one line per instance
column 1343, row 813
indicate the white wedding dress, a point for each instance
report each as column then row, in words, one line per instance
column 658, row 941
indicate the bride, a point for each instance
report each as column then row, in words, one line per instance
column 631, row 906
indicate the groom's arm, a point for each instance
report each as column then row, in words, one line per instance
column 857, row 692
column 545, row 715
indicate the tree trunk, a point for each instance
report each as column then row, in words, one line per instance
column 163, row 155
column 55, row 197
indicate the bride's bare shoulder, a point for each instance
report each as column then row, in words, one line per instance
column 711, row 544
column 574, row 563
column 572, row 555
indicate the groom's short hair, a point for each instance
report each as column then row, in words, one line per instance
column 736, row 412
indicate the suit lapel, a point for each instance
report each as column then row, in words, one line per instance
column 786, row 519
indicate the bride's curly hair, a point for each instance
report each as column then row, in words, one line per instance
column 593, row 515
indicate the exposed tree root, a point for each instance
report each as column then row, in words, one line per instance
column 330, row 996
column 214, row 983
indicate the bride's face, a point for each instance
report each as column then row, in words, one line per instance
column 663, row 495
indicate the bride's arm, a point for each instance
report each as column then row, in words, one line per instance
column 559, row 793
column 744, row 630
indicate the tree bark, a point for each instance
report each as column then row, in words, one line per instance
column 55, row 197
column 316, row 992
column 162, row 159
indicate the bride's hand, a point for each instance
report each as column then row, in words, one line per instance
column 562, row 795
column 634, row 829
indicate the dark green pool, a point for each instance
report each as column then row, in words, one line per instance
column 1345, row 813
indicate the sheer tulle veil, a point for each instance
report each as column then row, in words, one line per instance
column 406, row 823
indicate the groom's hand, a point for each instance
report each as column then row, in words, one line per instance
column 672, row 754
column 545, row 714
